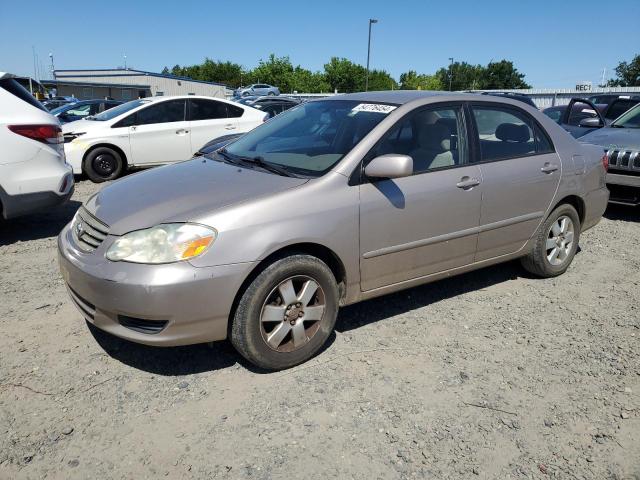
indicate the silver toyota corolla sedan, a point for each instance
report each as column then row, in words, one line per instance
column 333, row 202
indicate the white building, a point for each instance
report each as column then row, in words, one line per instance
column 127, row 84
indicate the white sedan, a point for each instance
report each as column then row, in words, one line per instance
column 151, row 131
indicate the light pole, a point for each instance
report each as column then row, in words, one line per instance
column 450, row 71
column 366, row 82
column 125, row 60
column 52, row 66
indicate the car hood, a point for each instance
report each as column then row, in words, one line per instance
column 180, row 193
column 614, row 138
column 82, row 126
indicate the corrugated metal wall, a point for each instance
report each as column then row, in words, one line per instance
column 548, row 97
column 159, row 85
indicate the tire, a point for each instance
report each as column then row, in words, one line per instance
column 103, row 164
column 546, row 260
column 273, row 344
column 271, row 93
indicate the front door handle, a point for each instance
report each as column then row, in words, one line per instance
column 181, row 131
column 467, row 183
column 230, row 126
column 549, row 168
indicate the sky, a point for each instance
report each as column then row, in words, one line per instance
column 556, row 44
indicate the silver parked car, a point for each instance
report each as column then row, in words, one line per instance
column 330, row 203
column 257, row 89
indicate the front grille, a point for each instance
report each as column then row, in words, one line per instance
column 624, row 160
column 86, row 308
column 141, row 325
column 88, row 232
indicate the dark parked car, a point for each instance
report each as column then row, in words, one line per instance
column 56, row 102
column 614, row 105
column 579, row 117
column 621, row 142
column 83, row 109
column 217, row 143
column 260, row 100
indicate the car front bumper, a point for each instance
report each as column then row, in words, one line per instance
column 191, row 304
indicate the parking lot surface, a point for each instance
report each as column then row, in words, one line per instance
column 492, row 374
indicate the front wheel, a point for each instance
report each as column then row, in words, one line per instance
column 556, row 243
column 103, row 164
column 286, row 313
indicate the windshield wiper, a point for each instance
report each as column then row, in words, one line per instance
column 272, row 167
column 226, row 155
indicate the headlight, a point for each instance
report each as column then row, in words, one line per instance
column 166, row 243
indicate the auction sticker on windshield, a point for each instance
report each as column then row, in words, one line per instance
column 374, row 108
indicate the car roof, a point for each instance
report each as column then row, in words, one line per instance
column 162, row 98
column 400, row 97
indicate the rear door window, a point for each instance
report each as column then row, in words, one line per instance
column 163, row 112
column 14, row 88
column 235, row 111
column 206, row 110
column 503, row 133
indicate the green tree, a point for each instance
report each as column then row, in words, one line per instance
column 501, row 75
column 345, row 76
column 413, row 81
column 304, row 80
column 461, row 76
column 381, row 80
column 276, row 71
column 627, row 74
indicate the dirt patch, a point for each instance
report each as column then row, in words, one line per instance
column 488, row 375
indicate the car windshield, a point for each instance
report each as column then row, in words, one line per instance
column 63, row 108
column 631, row 119
column 119, row 110
column 311, row 138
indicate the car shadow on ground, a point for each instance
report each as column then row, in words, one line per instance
column 625, row 213
column 381, row 308
column 174, row 361
column 187, row 360
column 47, row 224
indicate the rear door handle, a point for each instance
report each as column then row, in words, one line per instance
column 549, row 168
column 181, row 131
column 467, row 183
column 230, row 126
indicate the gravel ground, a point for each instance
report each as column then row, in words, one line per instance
column 491, row 374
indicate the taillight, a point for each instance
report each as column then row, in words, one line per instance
column 605, row 161
column 51, row 134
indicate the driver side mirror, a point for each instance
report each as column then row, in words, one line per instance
column 591, row 123
column 390, row 166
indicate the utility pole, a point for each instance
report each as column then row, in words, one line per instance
column 366, row 82
column 53, row 68
column 35, row 69
column 450, row 71
column 125, row 60
column 604, row 74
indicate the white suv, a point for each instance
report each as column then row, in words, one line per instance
column 152, row 131
column 33, row 170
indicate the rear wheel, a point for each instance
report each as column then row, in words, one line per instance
column 286, row 313
column 556, row 243
column 103, row 164
column 271, row 93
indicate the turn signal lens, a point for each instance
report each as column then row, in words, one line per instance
column 605, row 162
